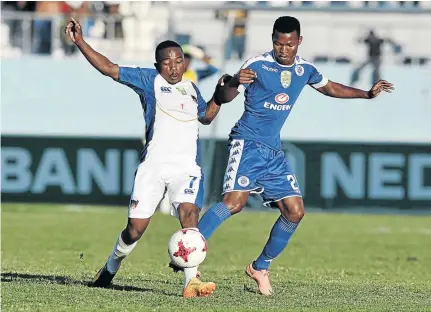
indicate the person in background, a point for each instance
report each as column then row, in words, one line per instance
column 374, row 44
column 237, row 39
column 113, row 8
column 192, row 52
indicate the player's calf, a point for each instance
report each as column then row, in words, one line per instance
column 125, row 244
column 292, row 211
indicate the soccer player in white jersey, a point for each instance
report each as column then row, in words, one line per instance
column 256, row 163
column 172, row 108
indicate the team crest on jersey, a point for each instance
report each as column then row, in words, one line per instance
column 134, row 203
column 299, row 70
column 285, row 78
column 182, row 90
column 243, row 181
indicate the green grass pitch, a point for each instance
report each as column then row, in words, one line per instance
column 335, row 262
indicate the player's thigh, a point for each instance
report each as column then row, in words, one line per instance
column 186, row 187
column 148, row 191
column 280, row 182
column 245, row 164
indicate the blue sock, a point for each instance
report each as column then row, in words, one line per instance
column 281, row 232
column 211, row 220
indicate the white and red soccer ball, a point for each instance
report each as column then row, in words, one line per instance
column 187, row 248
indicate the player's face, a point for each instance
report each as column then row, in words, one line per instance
column 285, row 46
column 171, row 65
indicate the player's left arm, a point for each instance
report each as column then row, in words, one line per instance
column 337, row 90
column 207, row 111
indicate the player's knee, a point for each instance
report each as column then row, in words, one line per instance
column 133, row 233
column 235, row 202
column 294, row 210
column 188, row 211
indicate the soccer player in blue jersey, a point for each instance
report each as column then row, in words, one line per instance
column 172, row 108
column 256, row 163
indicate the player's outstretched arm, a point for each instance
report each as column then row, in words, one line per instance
column 100, row 62
column 213, row 105
column 337, row 90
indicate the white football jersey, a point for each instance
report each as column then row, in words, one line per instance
column 171, row 115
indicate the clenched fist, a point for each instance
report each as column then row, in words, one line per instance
column 74, row 30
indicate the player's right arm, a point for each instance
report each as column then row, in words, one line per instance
column 100, row 62
column 244, row 77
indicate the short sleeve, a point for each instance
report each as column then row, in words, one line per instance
column 252, row 64
column 202, row 104
column 135, row 77
column 316, row 80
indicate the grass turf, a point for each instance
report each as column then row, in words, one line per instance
column 335, row 262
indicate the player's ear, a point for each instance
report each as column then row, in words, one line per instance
column 300, row 40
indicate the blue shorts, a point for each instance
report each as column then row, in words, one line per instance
column 255, row 167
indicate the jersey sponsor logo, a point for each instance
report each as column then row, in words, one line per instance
column 232, row 161
column 236, row 152
column 230, row 169
column 236, row 144
column 181, row 90
column 285, row 78
column 281, row 107
column 243, row 181
column 269, row 68
column 227, row 187
column 299, row 70
column 166, row 89
column 281, row 98
column 228, row 178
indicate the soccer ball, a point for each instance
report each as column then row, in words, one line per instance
column 187, row 248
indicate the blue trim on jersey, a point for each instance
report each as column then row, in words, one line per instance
column 202, row 104
column 199, row 200
column 141, row 80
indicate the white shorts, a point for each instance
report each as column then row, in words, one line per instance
column 184, row 184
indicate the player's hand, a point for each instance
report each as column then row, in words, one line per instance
column 74, row 30
column 246, row 76
column 224, row 79
column 379, row 86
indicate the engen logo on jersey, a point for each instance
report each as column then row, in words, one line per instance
column 281, row 98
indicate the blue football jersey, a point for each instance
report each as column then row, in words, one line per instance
column 270, row 98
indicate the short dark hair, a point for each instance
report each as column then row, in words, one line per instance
column 287, row 24
column 164, row 45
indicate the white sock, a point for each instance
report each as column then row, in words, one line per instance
column 121, row 250
column 189, row 273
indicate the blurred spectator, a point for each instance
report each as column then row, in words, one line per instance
column 374, row 44
column 236, row 42
column 192, row 52
column 42, row 28
column 15, row 26
column 113, row 8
